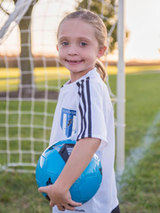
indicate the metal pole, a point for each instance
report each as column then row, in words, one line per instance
column 120, row 157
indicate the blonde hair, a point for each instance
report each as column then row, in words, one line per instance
column 99, row 29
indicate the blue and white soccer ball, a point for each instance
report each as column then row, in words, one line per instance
column 52, row 162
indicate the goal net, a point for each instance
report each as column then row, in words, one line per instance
column 31, row 75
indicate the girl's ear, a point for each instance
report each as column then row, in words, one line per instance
column 57, row 47
column 101, row 52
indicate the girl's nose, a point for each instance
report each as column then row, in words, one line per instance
column 72, row 50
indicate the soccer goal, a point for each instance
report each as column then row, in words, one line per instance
column 31, row 75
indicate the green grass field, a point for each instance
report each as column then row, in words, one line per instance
column 141, row 193
column 9, row 78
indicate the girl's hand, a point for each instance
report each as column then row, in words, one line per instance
column 59, row 191
column 58, row 196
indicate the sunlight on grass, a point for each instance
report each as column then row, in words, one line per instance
column 9, row 78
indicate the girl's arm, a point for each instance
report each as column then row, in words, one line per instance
column 79, row 159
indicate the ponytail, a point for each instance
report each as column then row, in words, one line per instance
column 100, row 69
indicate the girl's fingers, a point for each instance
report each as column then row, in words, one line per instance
column 69, row 205
column 52, row 203
column 61, row 208
column 70, row 208
column 43, row 189
column 74, row 204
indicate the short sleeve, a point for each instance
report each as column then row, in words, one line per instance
column 91, row 119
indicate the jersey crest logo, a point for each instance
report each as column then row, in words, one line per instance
column 68, row 121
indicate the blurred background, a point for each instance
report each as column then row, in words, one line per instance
column 141, row 22
column 31, row 77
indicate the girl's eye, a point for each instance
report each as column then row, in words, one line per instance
column 83, row 44
column 65, row 43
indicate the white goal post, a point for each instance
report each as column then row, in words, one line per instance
column 31, row 76
column 120, row 155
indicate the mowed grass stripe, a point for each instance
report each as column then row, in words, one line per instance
column 63, row 72
column 10, row 78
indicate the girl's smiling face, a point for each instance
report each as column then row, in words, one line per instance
column 78, row 47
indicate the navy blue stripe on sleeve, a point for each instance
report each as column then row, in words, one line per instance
column 89, row 108
column 85, row 109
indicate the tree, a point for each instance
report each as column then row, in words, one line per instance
column 26, row 58
column 109, row 16
column 26, row 62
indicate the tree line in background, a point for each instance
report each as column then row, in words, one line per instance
column 25, row 34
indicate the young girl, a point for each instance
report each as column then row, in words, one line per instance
column 84, row 113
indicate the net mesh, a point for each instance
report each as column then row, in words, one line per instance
column 31, row 76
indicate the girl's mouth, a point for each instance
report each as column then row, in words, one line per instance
column 74, row 62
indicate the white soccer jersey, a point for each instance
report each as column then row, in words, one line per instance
column 84, row 109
